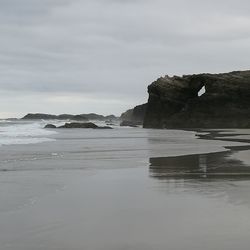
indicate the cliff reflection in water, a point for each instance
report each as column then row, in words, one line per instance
column 212, row 165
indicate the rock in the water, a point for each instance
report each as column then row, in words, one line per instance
column 174, row 101
column 128, row 124
column 104, row 127
column 110, row 124
column 50, row 126
column 135, row 116
column 79, row 125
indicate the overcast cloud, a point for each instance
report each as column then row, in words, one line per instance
column 77, row 56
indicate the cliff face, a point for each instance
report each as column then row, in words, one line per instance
column 174, row 101
column 135, row 115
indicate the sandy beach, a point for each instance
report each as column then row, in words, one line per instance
column 126, row 189
column 124, row 125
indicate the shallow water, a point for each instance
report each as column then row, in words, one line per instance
column 14, row 132
column 98, row 190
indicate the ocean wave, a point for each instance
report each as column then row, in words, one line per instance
column 19, row 132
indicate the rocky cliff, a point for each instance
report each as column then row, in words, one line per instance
column 134, row 116
column 174, row 101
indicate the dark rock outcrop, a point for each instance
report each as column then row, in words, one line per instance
column 127, row 115
column 174, row 101
column 104, row 127
column 83, row 125
column 50, row 126
column 79, row 125
column 128, row 124
column 134, row 116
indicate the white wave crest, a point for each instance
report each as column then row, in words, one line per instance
column 22, row 132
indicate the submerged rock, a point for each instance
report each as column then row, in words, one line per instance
column 79, row 125
column 129, row 124
column 104, row 127
column 176, row 102
column 50, row 126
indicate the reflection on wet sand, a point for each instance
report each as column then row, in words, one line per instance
column 214, row 175
column 211, row 165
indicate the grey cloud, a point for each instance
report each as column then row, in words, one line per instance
column 117, row 47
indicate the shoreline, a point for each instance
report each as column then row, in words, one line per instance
column 49, row 199
column 208, row 165
column 152, row 144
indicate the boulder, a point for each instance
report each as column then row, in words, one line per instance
column 79, row 125
column 50, row 126
column 129, row 124
column 104, row 127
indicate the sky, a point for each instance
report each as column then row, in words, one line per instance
column 82, row 56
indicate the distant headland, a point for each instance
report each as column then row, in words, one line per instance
column 81, row 117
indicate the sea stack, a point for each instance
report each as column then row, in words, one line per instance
column 174, row 102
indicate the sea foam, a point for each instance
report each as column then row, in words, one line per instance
column 23, row 132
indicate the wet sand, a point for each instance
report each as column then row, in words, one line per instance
column 228, row 164
column 125, row 190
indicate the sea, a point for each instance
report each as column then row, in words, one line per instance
column 15, row 132
column 122, row 189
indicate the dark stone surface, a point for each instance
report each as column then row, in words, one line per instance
column 134, row 116
column 50, row 126
column 104, row 127
column 79, row 125
column 128, row 124
column 174, row 101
